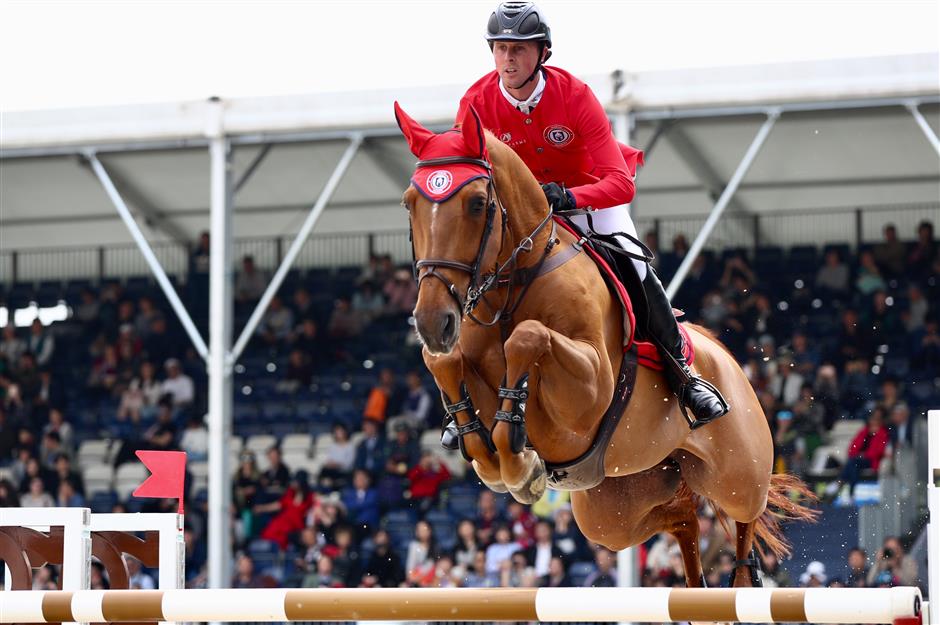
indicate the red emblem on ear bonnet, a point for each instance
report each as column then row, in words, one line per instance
column 439, row 182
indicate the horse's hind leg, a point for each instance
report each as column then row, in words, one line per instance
column 745, row 572
column 625, row 511
column 567, row 375
column 451, row 376
column 685, row 529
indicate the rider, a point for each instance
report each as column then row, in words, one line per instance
column 555, row 123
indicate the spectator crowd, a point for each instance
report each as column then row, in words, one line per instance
column 852, row 337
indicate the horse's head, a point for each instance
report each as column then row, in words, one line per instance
column 453, row 213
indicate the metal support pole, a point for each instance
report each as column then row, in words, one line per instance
column 928, row 131
column 220, row 373
column 933, row 510
column 722, row 202
column 859, row 228
column 662, row 126
column 152, row 261
column 252, row 167
column 296, row 246
column 628, row 560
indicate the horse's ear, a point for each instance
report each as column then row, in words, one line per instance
column 416, row 134
column 472, row 130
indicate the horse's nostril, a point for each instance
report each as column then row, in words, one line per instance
column 448, row 327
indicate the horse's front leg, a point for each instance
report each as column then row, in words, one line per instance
column 451, row 378
column 568, row 378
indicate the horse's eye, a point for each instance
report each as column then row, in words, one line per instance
column 477, row 204
column 404, row 205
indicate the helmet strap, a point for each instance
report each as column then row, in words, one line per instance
column 538, row 66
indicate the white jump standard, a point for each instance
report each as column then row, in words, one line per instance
column 756, row 605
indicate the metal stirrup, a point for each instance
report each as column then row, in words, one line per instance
column 693, row 421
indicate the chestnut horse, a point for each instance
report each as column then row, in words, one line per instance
column 490, row 316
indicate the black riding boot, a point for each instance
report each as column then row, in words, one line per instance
column 695, row 395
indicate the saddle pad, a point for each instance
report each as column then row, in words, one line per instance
column 647, row 353
column 612, row 281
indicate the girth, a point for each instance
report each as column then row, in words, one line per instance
column 587, row 471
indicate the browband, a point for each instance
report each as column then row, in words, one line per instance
column 455, row 160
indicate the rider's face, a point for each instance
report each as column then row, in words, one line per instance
column 515, row 61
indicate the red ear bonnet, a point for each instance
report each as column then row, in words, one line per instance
column 438, row 182
column 472, row 130
column 416, row 134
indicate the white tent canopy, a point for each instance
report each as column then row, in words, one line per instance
column 844, row 140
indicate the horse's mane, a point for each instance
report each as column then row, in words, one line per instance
column 513, row 176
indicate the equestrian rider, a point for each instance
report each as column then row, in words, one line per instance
column 555, row 123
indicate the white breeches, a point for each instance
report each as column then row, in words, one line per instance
column 615, row 219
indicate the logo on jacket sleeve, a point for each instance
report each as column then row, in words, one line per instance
column 506, row 137
column 439, row 181
column 558, row 135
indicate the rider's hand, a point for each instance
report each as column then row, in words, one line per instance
column 559, row 198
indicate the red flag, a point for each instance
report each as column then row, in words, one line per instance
column 168, row 470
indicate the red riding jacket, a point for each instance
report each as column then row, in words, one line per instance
column 565, row 139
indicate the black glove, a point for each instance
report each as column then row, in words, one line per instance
column 559, row 198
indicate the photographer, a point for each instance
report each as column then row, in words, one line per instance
column 892, row 559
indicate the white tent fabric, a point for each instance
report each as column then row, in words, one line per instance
column 832, row 157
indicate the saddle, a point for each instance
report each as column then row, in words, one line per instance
column 623, row 282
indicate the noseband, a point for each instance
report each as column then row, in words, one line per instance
column 504, row 274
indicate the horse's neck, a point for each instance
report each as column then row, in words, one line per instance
column 526, row 208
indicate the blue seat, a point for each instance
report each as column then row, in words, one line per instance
column 245, row 412
column 307, row 409
column 277, row 410
column 407, row 517
column 102, row 502
column 768, row 260
column 579, row 571
column 444, row 527
column 135, row 504
column 463, row 506
column 730, row 252
column 844, row 250
column 260, row 548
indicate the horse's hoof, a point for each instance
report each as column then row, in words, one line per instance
column 496, row 487
column 534, row 487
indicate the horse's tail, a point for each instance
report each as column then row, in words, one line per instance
column 788, row 500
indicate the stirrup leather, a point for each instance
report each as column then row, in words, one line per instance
column 515, row 417
column 473, row 425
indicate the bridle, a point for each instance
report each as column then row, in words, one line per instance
column 505, row 274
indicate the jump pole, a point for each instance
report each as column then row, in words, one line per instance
column 754, row 605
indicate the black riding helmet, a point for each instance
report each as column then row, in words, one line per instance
column 520, row 21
